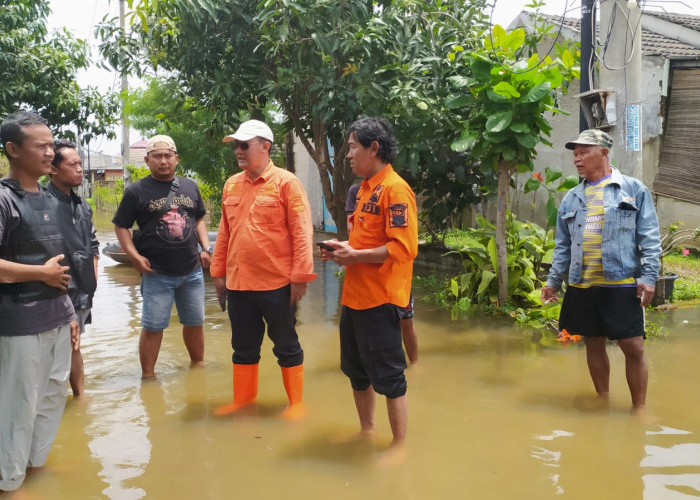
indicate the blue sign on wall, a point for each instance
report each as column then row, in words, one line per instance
column 634, row 128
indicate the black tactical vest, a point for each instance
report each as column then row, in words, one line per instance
column 33, row 242
column 75, row 224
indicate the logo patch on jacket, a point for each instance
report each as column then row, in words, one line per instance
column 398, row 215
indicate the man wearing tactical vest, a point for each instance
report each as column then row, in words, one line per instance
column 37, row 321
column 82, row 247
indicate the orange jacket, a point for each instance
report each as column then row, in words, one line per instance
column 265, row 238
column 385, row 215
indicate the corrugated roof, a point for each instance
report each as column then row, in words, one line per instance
column 652, row 43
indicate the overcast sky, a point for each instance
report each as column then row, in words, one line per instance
column 80, row 17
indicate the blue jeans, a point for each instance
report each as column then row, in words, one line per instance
column 159, row 292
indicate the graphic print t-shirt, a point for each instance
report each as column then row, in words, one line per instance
column 592, row 272
column 166, row 237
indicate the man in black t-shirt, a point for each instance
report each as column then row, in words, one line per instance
column 170, row 215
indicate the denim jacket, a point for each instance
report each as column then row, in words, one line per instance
column 631, row 246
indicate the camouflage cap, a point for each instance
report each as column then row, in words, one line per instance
column 592, row 137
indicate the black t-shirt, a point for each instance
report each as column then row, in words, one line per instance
column 167, row 238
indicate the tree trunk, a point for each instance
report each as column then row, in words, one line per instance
column 501, row 250
column 336, row 177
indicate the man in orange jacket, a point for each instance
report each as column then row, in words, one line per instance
column 262, row 262
column 378, row 260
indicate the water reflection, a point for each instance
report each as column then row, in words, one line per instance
column 493, row 415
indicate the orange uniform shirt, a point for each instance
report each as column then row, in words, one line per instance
column 265, row 238
column 385, row 215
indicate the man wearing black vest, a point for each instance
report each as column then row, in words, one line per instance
column 170, row 214
column 82, row 247
column 37, row 321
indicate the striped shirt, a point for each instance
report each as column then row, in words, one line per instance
column 592, row 271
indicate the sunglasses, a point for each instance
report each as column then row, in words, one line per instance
column 244, row 145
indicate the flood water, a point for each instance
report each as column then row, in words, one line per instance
column 492, row 415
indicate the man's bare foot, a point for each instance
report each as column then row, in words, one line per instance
column 367, row 435
column 395, row 455
column 599, row 402
column 198, row 364
column 148, row 376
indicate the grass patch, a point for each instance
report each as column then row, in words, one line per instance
column 687, row 287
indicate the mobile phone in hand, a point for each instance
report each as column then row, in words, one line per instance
column 325, row 246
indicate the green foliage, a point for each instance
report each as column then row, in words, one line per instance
column 538, row 181
column 685, row 289
column 38, row 71
column 527, row 244
column 512, row 93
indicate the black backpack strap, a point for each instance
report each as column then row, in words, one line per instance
column 174, row 188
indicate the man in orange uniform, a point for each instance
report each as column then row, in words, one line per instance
column 262, row 261
column 378, row 260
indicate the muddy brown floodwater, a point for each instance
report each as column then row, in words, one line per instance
column 493, row 415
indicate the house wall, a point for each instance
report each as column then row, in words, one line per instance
column 307, row 172
column 565, row 127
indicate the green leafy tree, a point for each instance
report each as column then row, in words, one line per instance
column 323, row 64
column 38, row 72
column 505, row 95
column 163, row 108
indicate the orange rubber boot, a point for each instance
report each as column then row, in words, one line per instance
column 293, row 378
column 245, row 388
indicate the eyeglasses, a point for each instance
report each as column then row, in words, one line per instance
column 244, row 145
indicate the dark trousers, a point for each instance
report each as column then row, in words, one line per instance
column 247, row 310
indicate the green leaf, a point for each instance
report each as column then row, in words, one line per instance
column 505, row 89
column 551, row 211
column 532, row 184
column 568, row 59
column 520, row 128
column 536, row 93
column 528, row 141
column 481, row 70
column 456, row 101
column 551, row 175
column 515, row 39
column 499, row 121
column 499, row 36
column 454, row 288
column 569, row 182
column 486, row 279
column 460, row 81
column 493, row 253
column 465, row 141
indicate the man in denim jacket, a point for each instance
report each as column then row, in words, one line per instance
column 608, row 242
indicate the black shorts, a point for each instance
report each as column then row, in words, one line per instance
column 613, row 312
column 371, row 350
column 406, row 312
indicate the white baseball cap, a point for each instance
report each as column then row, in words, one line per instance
column 165, row 140
column 249, row 130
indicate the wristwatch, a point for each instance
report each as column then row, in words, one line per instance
column 210, row 250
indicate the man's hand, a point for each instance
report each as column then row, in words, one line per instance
column 548, row 294
column 297, row 291
column 56, row 275
column 205, row 259
column 343, row 254
column 645, row 293
column 219, row 286
column 142, row 264
column 75, row 335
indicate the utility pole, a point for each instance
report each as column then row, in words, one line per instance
column 124, row 90
column 587, row 55
column 621, row 72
